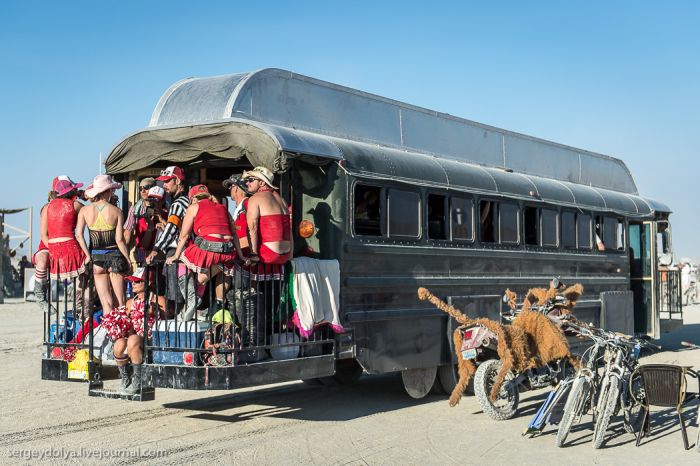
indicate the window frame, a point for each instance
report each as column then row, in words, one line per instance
column 446, row 221
column 518, row 225
column 557, row 222
column 465, row 197
column 387, row 223
column 382, row 210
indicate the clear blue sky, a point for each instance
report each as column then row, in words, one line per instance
column 621, row 78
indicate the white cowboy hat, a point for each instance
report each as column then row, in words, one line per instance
column 262, row 174
column 100, row 184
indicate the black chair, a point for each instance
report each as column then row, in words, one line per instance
column 663, row 385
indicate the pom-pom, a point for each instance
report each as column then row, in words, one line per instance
column 137, row 322
column 117, row 324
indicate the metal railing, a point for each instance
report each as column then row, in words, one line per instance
column 669, row 294
column 252, row 321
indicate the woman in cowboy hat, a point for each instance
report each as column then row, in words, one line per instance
column 110, row 257
column 58, row 222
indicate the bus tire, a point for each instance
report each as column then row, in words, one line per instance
column 448, row 378
column 418, row 382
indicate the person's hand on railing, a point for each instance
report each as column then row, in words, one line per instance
column 172, row 259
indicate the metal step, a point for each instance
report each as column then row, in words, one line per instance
column 146, row 393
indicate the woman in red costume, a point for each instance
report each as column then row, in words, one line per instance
column 269, row 225
column 215, row 246
column 58, row 221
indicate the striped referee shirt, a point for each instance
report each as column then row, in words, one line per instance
column 169, row 235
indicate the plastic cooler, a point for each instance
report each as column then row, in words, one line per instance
column 187, row 335
column 63, row 331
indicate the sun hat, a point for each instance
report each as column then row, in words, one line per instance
column 237, row 180
column 170, row 173
column 157, row 192
column 100, row 184
column 62, row 185
column 262, row 174
column 197, row 189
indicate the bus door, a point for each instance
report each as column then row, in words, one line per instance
column 642, row 277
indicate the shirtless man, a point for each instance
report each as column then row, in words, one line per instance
column 269, row 225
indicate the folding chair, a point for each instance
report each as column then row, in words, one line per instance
column 664, row 385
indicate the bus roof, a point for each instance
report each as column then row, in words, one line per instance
column 286, row 99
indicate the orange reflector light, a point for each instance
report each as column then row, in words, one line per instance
column 306, row 228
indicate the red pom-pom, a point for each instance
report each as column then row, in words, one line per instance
column 137, row 321
column 117, row 324
column 69, row 353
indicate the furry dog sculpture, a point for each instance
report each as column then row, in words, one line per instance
column 531, row 340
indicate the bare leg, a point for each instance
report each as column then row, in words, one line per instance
column 119, row 349
column 118, row 288
column 104, row 290
column 220, row 285
column 134, row 349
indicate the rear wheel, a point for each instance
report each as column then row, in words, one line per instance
column 574, row 407
column 609, row 399
column 418, row 382
column 506, row 404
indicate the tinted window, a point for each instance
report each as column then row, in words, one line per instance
column 531, row 225
column 488, row 221
column 548, row 222
column 404, row 213
column 583, row 228
column 368, row 210
column 568, row 229
column 462, row 212
column 610, row 233
column 437, row 217
column 509, row 223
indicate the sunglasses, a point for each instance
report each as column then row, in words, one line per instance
column 250, row 180
column 145, row 188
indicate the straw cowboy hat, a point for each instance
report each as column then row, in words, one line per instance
column 100, row 184
column 262, row 174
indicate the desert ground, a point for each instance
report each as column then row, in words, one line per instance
column 371, row 422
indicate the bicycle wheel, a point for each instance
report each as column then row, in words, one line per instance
column 574, row 407
column 609, row 399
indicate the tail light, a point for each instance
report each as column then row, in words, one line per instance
column 306, row 229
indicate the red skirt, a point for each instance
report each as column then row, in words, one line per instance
column 42, row 250
column 67, row 260
column 198, row 260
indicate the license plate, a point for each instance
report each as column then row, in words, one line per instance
column 469, row 354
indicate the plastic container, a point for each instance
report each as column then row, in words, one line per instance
column 284, row 352
column 186, row 335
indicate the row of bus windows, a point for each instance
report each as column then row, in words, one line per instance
column 398, row 213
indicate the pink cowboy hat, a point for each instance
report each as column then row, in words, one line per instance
column 100, row 184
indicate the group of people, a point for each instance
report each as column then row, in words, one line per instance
column 188, row 237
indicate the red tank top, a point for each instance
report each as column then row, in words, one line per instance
column 241, row 222
column 211, row 219
column 62, row 218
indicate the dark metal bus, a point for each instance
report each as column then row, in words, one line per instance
column 403, row 197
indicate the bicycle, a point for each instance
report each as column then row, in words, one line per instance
column 697, row 440
column 583, row 393
column 621, row 357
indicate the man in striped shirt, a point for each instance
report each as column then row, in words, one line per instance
column 173, row 179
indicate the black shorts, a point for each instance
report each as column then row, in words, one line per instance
column 112, row 261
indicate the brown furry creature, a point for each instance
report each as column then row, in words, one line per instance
column 531, row 340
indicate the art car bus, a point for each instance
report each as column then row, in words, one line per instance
column 384, row 197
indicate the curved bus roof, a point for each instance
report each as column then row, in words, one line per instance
column 272, row 114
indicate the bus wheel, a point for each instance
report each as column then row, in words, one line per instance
column 418, row 382
column 448, row 377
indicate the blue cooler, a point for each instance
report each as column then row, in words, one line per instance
column 187, row 335
column 65, row 329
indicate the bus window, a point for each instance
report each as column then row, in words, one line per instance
column 488, row 217
column 367, row 210
column 462, row 212
column 548, row 227
column 531, row 226
column 583, row 230
column 620, row 235
column 609, row 237
column 509, row 222
column 404, row 214
column 568, row 229
column 436, row 216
